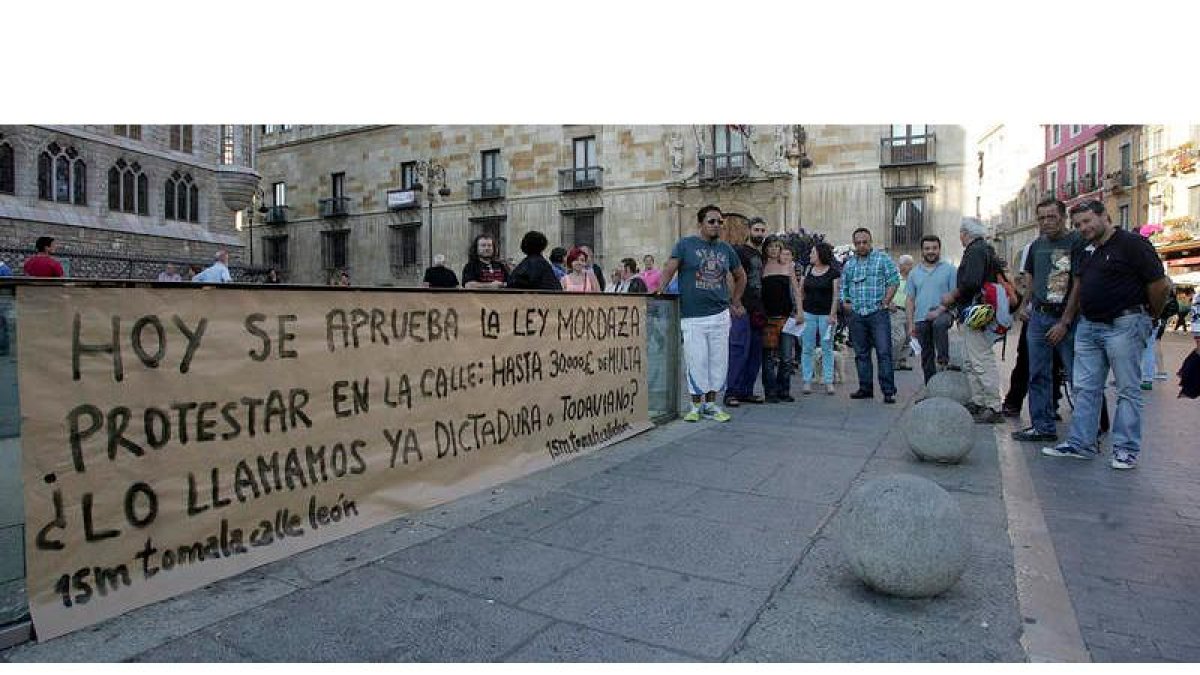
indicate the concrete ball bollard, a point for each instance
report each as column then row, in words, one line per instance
column 904, row 536
column 938, row 430
column 949, row 384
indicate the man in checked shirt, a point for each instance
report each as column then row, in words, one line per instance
column 869, row 280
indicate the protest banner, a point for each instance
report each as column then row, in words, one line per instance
column 173, row 437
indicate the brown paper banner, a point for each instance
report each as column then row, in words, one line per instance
column 174, row 437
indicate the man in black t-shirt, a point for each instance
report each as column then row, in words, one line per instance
column 1121, row 285
column 483, row 268
column 746, row 331
column 440, row 276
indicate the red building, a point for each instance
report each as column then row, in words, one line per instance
column 1074, row 166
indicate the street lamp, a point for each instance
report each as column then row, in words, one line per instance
column 433, row 175
column 798, row 160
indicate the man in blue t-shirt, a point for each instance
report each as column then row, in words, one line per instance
column 928, row 319
column 704, row 263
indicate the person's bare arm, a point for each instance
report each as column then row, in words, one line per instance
column 739, row 287
column 1059, row 330
column 668, row 273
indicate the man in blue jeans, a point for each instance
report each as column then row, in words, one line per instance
column 1048, row 310
column 869, row 280
column 1121, row 285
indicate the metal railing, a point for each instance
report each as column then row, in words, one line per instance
column 724, row 165
column 276, row 215
column 1069, row 189
column 487, row 188
column 334, row 207
column 908, row 150
column 580, row 178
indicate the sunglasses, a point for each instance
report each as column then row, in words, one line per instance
column 715, row 221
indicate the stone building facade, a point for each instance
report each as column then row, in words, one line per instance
column 357, row 198
column 121, row 200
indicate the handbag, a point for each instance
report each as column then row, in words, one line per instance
column 772, row 331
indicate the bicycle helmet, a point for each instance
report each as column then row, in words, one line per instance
column 979, row 316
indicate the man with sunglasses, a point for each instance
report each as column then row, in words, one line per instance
column 869, row 282
column 1121, row 285
column 705, row 302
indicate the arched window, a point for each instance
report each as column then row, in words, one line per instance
column 8, row 173
column 181, row 198
column 128, row 188
column 62, row 175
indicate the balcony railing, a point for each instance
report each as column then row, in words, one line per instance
column 908, row 150
column 276, row 215
column 580, row 178
column 1088, row 183
column 487, row 188
column 1069, row 189
column 724, row 165
column 335, row 207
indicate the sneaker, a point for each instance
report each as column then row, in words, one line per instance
column 889, row 399
column 1123, row 459
column 1032, row 434
column 988, row 416
column 713, row 412
column 1065, row 450
column 829, row 390
column 1147, row 386
column 807, row 389
column 693, row 415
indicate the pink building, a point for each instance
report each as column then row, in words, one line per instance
column 1074, row 166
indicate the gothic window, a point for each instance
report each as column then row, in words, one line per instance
column 133, row 131
column 181, row 137
column 181, row 198
column 62, row 175
column 8, row 174
column 128, row 188
column 227, row 144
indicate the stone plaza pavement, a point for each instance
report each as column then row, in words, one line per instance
column 709, row 542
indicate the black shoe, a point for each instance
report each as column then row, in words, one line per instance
column 787, row 398
column 1009, row 411
column 860, row 394
column 772, row 399
column 889, row 399
column 1032, row 434
column 988, row 416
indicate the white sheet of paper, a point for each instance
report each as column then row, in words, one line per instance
column 916, row 346
column 793, row 328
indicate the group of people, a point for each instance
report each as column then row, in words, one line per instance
column 571, row 270
column 1086, row 292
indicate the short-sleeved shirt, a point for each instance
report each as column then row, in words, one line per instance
column 865, row 281
column 703, row 266
column 440, row 276
column 484, row 271
column 818, row 292
column 927, row 286
column 1113, row 276
column 42, row 265
column 1048, row 265
column 752, row 262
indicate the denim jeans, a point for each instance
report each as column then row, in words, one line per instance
column 873, row 331
column 745, row 357
column 1041, row 368
column 1149, row 363
column 816, row 327
column 934, row 338
column 778, row 366
column 1099, row 346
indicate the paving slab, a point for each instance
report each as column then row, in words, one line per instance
column 567, row 643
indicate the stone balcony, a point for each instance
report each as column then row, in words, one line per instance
column 237, row 185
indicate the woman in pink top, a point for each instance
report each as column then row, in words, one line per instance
column 580, row 279
column 650, row 275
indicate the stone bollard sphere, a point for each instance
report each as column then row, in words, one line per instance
column 903, row 536
column 938, row 430
column 949, row 384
